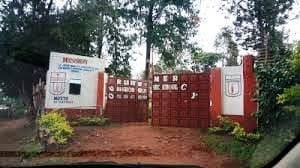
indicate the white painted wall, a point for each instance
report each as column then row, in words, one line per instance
column 233, row 90
column 85, row 69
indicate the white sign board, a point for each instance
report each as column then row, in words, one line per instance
column 233, row 90
column 72, row 81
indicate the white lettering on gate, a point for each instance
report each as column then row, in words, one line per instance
column 126, row 82
column 174, row 87
column 111, row 96
column 156, row 87
column 194, row 95
column 111, row 88
column 165, row 78
column 174, row 78
column 119, row 81
column 156, row 78
column 183, row 86
column 165, row 87
column 132, row 83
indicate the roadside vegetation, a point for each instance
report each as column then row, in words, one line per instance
column 31, row 148
column 92, row 121
column 54, row 128
column 279, row 127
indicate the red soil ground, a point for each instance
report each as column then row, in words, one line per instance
column 127, row 143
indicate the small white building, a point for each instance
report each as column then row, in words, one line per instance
column 73, row 82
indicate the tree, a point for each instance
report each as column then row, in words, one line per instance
column 168, row 26
column 29, row 30
column 226, row 42
column 256, row 23
column 109, row 21
column 203, row 61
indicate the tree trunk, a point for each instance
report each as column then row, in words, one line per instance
column 100, row 36
column 149, row 25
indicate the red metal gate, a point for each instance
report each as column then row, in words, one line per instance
column 126, row 100
column 180, row 100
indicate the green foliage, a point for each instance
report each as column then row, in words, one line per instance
column 272, row 79
column 225, row 41
column 167, row 27
column 227, row 126
column 57, row 125
column 277, row 139
column 229, row 145
column 296, row 58
column 240, row 134
column 203, row 61
column 31, row 149
column 216, row 130
column 290, row 95
column 90, row 121
column 256, row 22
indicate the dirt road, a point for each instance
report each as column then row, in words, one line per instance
column 12, row 132
column 125, row 143
column 141, row 143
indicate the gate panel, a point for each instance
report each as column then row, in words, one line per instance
column 126, row 100
column 180, row 100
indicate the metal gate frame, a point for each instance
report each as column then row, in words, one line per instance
column 126, row 100
column 181, row 100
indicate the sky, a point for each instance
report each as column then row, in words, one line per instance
column 211, row 22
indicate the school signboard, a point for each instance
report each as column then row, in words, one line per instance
column 72, row 81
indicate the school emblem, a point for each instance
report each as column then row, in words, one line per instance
column 57, row 83
column 233, row 85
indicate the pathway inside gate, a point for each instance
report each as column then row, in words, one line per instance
column 141, row 143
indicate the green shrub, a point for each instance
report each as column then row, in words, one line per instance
column 240, row 134
column 90, row 121
column 290, row 95
column 215, row 130
column 31, row 149
column 227, row 124
column 57, row 125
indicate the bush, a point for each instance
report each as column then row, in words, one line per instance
column 240, row 134
column 31, row 149
column 229, row 145
column 216, row 130
column 90, row 121
column 234, row 128
column 290, row 95
column 227, row 124
column 57, row 126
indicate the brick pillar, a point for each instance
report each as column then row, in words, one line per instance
column 100, row 92
column 250, row 105
column 215, row 95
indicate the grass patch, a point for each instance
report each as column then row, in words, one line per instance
column 277, row 139
column 31, row 149
column 92, row 121
column 229, row 145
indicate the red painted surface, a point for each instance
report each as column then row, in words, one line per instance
column 250, row 106
column 215, row 95
column 126, row 102
column 100, row 91
column 173, row 104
